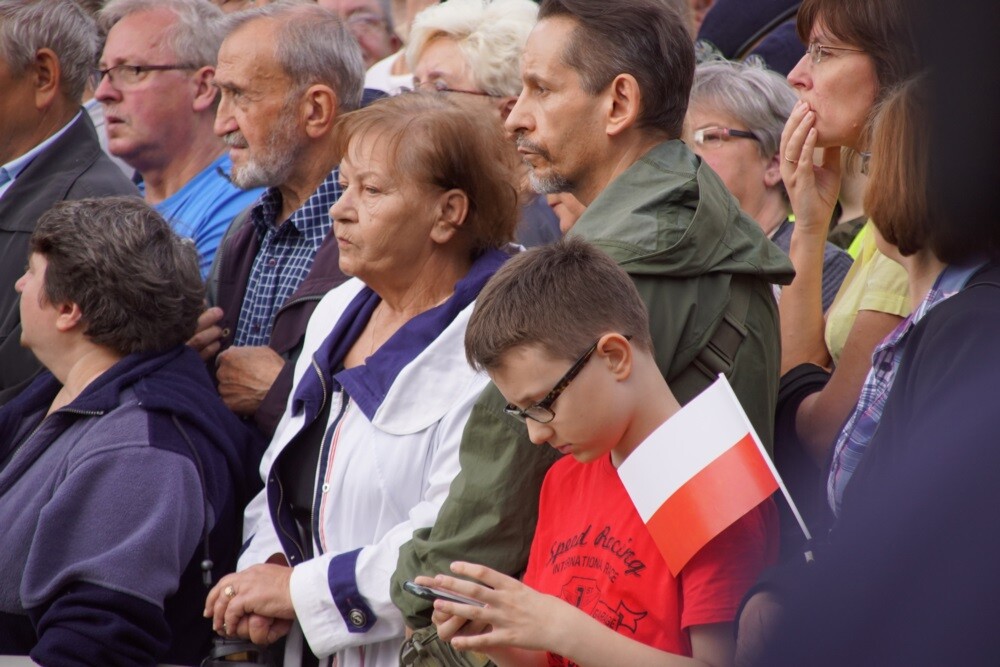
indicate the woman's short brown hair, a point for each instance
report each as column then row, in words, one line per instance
column 906, row 209
column 136, row 282
column 442, row 142
column 561, row 297
column 896, row 197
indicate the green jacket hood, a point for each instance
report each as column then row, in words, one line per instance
column 669, row 214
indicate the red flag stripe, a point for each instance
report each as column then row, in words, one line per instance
column 708, row 503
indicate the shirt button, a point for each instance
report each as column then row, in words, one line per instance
column 358, row 618
column 272, row 262
column 326, row 487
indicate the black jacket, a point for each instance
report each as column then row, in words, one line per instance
column 74, row 167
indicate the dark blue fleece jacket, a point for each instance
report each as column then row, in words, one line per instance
column 105, row 506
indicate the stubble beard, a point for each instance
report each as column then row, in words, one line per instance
column 546, row 184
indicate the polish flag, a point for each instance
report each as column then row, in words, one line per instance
column 700, row 471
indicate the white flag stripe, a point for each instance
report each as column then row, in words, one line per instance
column 770, row 464
column 704, row 429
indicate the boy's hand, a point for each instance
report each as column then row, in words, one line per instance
column 515, row 615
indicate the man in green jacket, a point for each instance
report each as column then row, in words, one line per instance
column 606, row 88
column 605, row 93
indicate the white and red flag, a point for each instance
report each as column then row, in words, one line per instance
column 700, row 471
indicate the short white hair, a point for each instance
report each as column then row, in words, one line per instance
column 490, row 33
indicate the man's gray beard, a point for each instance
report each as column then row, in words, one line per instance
column 256, row 174
column 550, row 184
column 275, row 162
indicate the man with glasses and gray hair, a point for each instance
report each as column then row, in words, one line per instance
column 285, row 72
column 155, row 82
column 49, row 150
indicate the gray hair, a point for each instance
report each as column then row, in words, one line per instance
column 26, row 26
column 196, row 35
column 759, row 97
column 490, row 33
column 312, row 46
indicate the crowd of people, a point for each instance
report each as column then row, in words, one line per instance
column 326, row 325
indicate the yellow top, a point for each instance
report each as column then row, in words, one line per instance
column 874, row 282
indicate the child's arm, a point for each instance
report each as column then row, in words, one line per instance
column 519, row 624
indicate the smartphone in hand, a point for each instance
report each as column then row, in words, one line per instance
column 429, row 593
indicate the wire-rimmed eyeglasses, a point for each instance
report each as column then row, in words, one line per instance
column 817, row 52
column 439, row 86
column 130, row 75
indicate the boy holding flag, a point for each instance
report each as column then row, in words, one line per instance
column 595, row 556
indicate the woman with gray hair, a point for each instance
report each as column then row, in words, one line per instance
column 734, row 122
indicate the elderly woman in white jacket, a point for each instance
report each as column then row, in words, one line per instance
column 368, row 444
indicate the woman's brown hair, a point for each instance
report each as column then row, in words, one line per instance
column 441, row 142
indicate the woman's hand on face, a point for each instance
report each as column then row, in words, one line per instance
column 515, row 615
column 263, row 591
column 812, row 190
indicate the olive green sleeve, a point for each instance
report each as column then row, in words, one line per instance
column 490, row 513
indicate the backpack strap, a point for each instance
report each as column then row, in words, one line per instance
column 719, row 353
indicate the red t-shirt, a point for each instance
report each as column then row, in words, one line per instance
column 592, row 549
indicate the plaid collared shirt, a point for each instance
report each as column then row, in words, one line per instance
column 861, row 425
column 285, row 256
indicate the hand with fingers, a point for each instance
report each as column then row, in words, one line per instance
column 812, row 189
column 206, row 340
column 254, row 604
column 515, row 615
column 245, row 375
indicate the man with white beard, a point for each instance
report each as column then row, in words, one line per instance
column 285, row 72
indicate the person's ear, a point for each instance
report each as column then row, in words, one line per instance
column 46, row 72
column 205, row 93
column 506, row 105
column 625, row 101
column 319, row 110
column 453, row 207
column 772, row 173
column 69, row 316
column 698, row 10
column 616, row 353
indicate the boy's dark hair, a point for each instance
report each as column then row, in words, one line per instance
column 561, row 297
column 648, row 39
column 136, row 282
